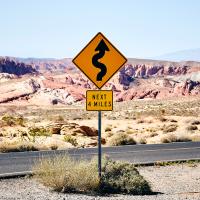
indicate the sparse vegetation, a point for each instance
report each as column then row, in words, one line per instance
column 120, row 177
column 38, row 131
column 121, row 139
column 162, row 119
column 60, row 118
column 70, row 139
column 169, row 128
column 168, row 139
column 108, row 128
column 190, row 163
column 130, row 131
column 140, row 121
column 8, row 120
column 196, row 138
column 173, row 138
column 18, row 147
column 54, row 147
column 173, row 120
column 150, row 124
column 142, row 141
column 195, row 122
column 63, row 174
column 191, row 128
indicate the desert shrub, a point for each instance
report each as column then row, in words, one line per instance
column 121, row 139
column 108, row 128
column 70, row 139
column 173, row 120
column 169, row 128
column 195, row 122
column 162, row 111
column 151, row 129
column 120, row 177
column 184, row 138
column 142, row 141
column 63, row 174
column 162, row 119
column 153, row 134
column 9, row 120
column 54, row 147
column 191, row 128
column 195, row 138
column 59, row 118
column 173, row 138
column 17, row 147
column 168, row 139
column 38, row 131
column 140, row 121
column 130, row 131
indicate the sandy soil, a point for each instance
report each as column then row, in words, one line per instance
column 176, row 182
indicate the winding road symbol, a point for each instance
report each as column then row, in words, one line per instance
column 102, row 48
column 99, row 60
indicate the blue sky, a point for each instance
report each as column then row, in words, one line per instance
column 61, row 28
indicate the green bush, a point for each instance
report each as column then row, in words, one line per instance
column 63, row 174
column 9, row 120
column 38, row 131
column 119, row 177
column 70, row 139
column 121, row 139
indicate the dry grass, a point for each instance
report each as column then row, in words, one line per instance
column 9, row 120
column 162, row 119
column 121, row 139
column 140, row 121
column 63, row 174
column 196, row 138
column 70, row 139
column 195, row 122
column 108, row 128
column 18, row 147
column 173, row 138
column 191, row 128
column 142, row 141
column 173, row 120
column 168, row 138
column 169, row 128
column 130, row 131
column 38, row 131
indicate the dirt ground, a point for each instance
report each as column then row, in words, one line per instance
column 175, row 182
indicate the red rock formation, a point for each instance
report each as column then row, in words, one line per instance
column 7, row 65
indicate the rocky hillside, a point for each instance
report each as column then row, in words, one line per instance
column 60, row 82
column 48, row 65
column 11, row 66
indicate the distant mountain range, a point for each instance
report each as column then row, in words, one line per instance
column 184, row 55
column 54, row 81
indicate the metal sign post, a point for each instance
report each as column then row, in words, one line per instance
column 99, row 143
column 99, row 72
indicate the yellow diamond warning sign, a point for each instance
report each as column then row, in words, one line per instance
column 99, row 60
column 99, row 100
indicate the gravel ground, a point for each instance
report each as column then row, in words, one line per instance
column 177, row 182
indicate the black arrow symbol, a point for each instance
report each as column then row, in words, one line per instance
column 101, row 47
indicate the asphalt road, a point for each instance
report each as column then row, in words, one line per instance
column 22, row 162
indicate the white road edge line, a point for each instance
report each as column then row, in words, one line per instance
column 75, row 154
